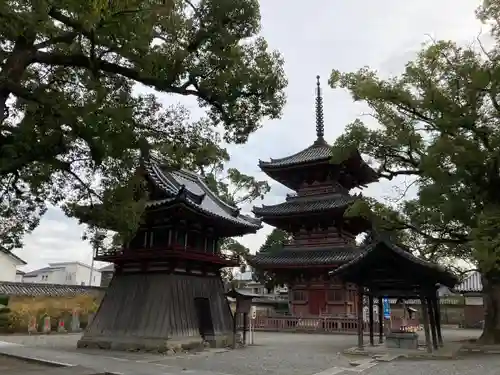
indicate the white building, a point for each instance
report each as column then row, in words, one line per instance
column 19, row 276
column 8, row 265
column 67, row 273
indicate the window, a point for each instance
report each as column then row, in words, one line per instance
column 210, row 245
column 151, row 239
column 299, row 295
column 162, row 237
column 193, row 240
column 180, row 237
column 336, row 295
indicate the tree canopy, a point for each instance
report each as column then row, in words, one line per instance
column 438, row 124
column 274, row 242
column 79, row 86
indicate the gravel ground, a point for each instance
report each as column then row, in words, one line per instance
column 11, row 366
column 273, row 353
column 279, row 353
column 477, row 365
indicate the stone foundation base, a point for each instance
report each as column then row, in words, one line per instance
column 402, row 340
column 171, row 346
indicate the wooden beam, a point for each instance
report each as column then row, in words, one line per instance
column 370, row 314
column 380, row 320
column 360, row 317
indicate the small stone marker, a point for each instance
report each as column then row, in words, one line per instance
column 60, row 326
column 75, row 321
column 32, row 325
column 46, row 324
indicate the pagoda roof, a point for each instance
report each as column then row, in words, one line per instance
column 317, row 152
column 301, row 257
column 305, row 204
column 182, row 186
column 384, row 265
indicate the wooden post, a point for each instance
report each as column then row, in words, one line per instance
column 245, row 319
column 432, row 320
column 235, row 316
column 425, row 317
column 437, row 313
column 380, row 320
column 360, row 317
column 370, row 314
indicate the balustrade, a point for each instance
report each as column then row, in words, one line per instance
column 316, row 324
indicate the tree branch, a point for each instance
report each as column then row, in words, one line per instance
column 82, row 61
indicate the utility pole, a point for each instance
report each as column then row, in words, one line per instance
column 94, row 252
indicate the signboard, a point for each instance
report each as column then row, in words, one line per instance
column 253, row 312
column 474, row 301
column 387, row 308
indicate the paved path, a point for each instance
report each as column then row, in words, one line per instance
column 273, row 354
column 17, row 366
column 486, row 365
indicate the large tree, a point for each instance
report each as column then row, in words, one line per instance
column 438, row 124
column 78, row 96
column 274, row 242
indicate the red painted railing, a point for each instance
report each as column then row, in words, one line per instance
column 319, row 325
column 171, row 252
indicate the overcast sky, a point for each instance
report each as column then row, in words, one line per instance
column 314, row 37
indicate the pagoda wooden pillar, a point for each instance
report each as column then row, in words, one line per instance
column 425, row 318
column 432, row 319
column 380, row 320
column 370, row 314
column 360, row 317
column 437, row 314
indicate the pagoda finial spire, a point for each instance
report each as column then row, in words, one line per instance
column 320, row 126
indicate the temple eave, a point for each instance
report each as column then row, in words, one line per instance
column 307, row 207
column 157, row 255
column 273, row 266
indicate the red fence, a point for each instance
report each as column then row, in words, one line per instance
column 319, row 325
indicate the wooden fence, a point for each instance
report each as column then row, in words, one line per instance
column 318, row 325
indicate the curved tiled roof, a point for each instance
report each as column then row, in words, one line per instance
column 188, row 187
column 305, row 257
column 471, row 283
column 49, row 290
column 318, row 151
column 305, row 205
column 445, row 277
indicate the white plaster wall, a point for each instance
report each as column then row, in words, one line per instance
column 7, row 268
column 83, row 276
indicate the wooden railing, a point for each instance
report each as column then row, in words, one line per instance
column 167, row 252
column 297, row 324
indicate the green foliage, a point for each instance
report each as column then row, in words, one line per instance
column 232, row 247
column 274, row 243
column 4, row 300
column 72, row 122
column 439, row 128
column 4, row 318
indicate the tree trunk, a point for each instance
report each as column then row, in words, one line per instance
column 491, row 298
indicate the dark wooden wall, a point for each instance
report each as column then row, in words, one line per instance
column 159, row 305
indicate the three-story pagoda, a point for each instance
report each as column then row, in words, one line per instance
column 322, row 237
column 167, row 288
